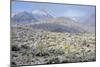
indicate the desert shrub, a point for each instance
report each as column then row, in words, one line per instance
column 67, row 48
column 15, row 48
column 13, row 63
column 53, row 60
column 14, row 55
column 41, row 49
column 25, row 46
column 42, row 54
column 88, row 45
column 84, row 42
column 65, row 61
column 56, row 51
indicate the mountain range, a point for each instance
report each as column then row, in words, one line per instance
column 41, row 19
column 29, row 17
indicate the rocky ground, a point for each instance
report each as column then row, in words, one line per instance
column 31, row 47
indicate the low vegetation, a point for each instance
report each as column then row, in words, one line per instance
column 29, row 47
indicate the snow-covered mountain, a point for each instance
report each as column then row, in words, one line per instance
column 41, row 14
column 29, row 17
